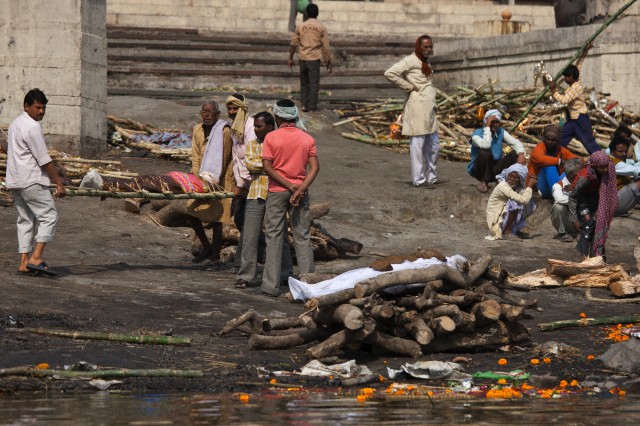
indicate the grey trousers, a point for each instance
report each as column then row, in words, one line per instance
column 37, row 216
column 253, row 217
column 628, row 197
column 309, row 83
column 276, row 225
column 562, row 219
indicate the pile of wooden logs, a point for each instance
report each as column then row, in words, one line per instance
column 591, row 273
column 460, row 113
column 127, row 128
column 434, row 309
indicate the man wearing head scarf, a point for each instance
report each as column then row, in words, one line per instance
column 242, row 132
column 414, row 75
column 546, row 160
column 487, row 158
column 286, row 154
column 596, row 194
column 311, row 40
column 510, row 203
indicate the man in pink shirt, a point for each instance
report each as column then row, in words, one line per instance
column 30, row 170
column 286, row 153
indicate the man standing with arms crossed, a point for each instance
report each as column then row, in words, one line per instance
column 29, row 172
column 312, row 42
column 414, row 75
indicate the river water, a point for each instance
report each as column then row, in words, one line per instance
column 109, row 408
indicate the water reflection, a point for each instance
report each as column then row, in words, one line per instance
column 105, row 408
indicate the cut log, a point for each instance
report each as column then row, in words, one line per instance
column 442, row 325
column 412, row 302
column 269, row 324
column 382, row 312
column 452, row 311
column 319, row 210
column 625, row 288
column 598, row 277
column 349, row 316
column 431, row 288
column 489, row 337
column 257, row 341
column 564, row 269
column 486, row 312
column 329, row 346
column 537, row 278
column 467, row 323
column 315, row 277
column 511, row 313
column 392, row 279
column 395, row 345
column 286, row 331
column 337, row 298
column 360, row 303
column 489, row 288
column 249, row 316
column 420, row 331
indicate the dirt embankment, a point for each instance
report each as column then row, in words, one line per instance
column 122, row 273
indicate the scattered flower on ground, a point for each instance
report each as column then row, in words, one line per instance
column 502, row 361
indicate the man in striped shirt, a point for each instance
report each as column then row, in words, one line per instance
column 578, row 124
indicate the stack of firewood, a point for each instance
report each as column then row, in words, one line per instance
column 461, row 113
column 433, row 309
column 591, row 273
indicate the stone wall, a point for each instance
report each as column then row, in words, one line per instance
column 393, row 17
column 60, row 47
column 612, row 66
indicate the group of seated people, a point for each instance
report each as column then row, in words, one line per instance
column 586, row 194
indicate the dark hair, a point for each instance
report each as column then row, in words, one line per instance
column 312, row 10
column 424, row 37
column 618, row 140
column 573, row 71
column 622, row 130
column 239, row 96
column 34, row 95
column 287, row 103
column 266, row 117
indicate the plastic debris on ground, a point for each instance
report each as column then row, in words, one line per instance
column 431, row 370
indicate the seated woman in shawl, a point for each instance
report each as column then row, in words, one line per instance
column 487, row 158
column 596, row 195
column 510, row 203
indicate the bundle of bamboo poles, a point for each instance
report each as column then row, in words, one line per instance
column 460, row 113
column 434, row 309
column 74, row 168
column 128, row 128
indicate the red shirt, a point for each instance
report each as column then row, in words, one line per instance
column 289, row 149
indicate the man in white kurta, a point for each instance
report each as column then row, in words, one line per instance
column 413, row 74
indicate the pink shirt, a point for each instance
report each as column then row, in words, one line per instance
column 289, row 149
column 27, row 153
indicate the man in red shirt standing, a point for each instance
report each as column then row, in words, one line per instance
column 286, row 153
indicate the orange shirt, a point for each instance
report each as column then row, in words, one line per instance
column 289, row 149
column 539, row 158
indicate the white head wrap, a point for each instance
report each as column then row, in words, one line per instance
column 489, row 114
column 520, row 169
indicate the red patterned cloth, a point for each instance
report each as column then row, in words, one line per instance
column 187, row 181
column 608, row 197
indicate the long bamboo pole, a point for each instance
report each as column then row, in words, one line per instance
column 120, row 372
column 147, row 195
column 584, row 322
column 97, row 335
column 580, row 51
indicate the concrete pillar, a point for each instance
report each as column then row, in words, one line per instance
column 59, row 47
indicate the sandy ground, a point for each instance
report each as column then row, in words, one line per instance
column 120, row 272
